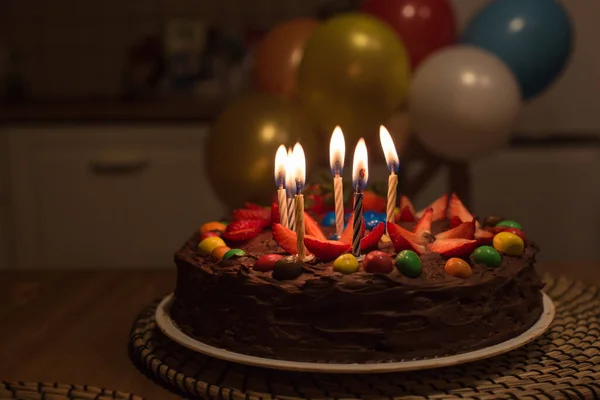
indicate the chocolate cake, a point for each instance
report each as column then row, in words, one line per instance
column 321, row 315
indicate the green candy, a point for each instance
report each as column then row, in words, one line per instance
column 409, row 263
column 234, row 253
column 488, row 256
column 509, row 224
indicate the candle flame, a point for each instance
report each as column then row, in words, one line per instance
column 337, row 151
column 280, row 165
column 290, row 183
column 299, row 171
column 389, row 150
column 360, row 167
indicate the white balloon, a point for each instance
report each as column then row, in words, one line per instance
column 463, row 103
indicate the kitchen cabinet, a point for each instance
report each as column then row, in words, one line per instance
column 107, row 196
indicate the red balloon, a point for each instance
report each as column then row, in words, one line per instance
column 423, row 25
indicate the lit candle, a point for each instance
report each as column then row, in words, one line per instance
column 360, row 176
column 337, row 152
column 280, row 165
column 290, row 187
column 299, row 173
column 391, row 158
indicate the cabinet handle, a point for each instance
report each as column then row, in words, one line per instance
column 118, row 165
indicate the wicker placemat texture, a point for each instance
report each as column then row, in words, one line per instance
column 563, row 363
column 55, row 391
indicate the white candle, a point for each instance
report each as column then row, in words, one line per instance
column 337, row 152
column 360, row 176
column 280, row 165
column 392, row 160
column 299, row 174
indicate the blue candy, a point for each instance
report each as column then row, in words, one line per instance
column 328, row 219
column 372, row 219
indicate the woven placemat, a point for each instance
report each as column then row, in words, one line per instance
column 563, row 363
column 56, row 391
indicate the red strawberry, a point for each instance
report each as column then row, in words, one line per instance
column 423, row 226
column 262, row 214
column 239, row 231
column 312, row 227
column 440, row 208
column 285, row 238
column 466, row 230
column 458, row 213
column 252, row 206
column 371, row 240
column 349, row 230
column 373, row 202
column 483, row 236
column 404, row 239
column 326, row 250
column 453, row 247
column 275, row 213
column 407, row 210
column 515, row 231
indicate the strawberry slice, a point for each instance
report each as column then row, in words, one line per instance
column 423, row 226
column 465, row 230
column 239, row 231
column 403, row 239
column 252, row 206
column 326, row 250
column 371, row 241
column 313, row 228
column 440, row 208
column 407, row 210
column 349, row 230
column 458, row 213
column 453, row 247
column 483, row 236
column 285, row 238
column 275, row 213
column 243, row 214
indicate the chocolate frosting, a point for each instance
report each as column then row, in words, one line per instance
column 326, row 316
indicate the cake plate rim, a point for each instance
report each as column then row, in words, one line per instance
column 169, row 328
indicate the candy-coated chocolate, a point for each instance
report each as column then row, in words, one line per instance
column 378, row 262
column 509, row 224
column 209, row 234
column 219, row 252
column 234, row 253
column 509, row 243
column 409, row 263
column 328, row 219
column 458, row 268
column 346, row 264
column 372, row 219
column 492, row 220
column 207, row 245
column 213, row 226
column 487, row 256
column 334, row 236
column 515, row 231
column 287, row 269
column 267, row 262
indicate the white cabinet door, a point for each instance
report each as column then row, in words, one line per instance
column 112, row 196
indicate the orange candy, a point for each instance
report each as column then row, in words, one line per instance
column 213, row 226
column 458, row 268
column 219, row 252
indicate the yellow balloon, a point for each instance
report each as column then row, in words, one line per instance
column 354, row 73
column 240, row 151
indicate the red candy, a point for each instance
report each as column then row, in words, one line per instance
column 208, row 234
column 267, row 262
column 514, row 231
column 378, row 262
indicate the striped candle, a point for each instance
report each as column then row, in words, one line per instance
column 357, row 223
column 360, row 176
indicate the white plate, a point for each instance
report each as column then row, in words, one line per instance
column 169, row 328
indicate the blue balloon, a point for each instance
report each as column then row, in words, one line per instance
column 533, row 37
column 328, row 219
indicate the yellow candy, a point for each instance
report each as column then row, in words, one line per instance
column 346, row 264
column 213, row 226
column 219, row 251
column 458, row 268
column 509, row 243
column 208, row 245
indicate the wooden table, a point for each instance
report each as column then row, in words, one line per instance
column 72, row 327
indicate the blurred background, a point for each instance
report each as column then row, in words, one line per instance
column 109, row 154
